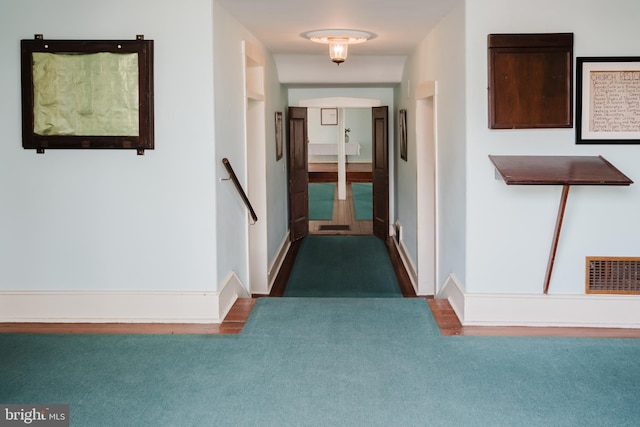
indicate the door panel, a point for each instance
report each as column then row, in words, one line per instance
column 380, row 118
column 298, row 174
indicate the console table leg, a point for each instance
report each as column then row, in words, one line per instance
column 556, row 236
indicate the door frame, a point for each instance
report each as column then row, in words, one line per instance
column 349, row 102
column 380, row 170
column 255, row 169
column 427, row 188
column 298, row 177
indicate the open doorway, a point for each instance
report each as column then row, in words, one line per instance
column 327, row 255
column 299, row 179
column 340, row 139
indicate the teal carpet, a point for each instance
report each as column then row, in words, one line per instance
column 362, row 200
column 342, row 266
column 321, row 198
column 327, row 362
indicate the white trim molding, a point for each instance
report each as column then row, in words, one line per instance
column 318, row 69
column 121, row 306
column 426, row 89
column 406, row 261
column 593, row 311
column 279, row 259
column 339, row 102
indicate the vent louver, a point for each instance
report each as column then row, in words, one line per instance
column 335, row 227
column 613, row 275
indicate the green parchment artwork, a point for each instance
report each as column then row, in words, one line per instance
column 86, row 95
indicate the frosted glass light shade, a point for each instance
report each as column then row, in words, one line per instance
column 338, row 41
column 338, row 49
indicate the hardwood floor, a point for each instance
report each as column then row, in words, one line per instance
column 343, row 215
column 232, row 324
column 449, row 324
column 328, row 172
column 443, row 313
column 343, row 221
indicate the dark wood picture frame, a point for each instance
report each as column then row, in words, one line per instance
column 607, row 105
column 278, row 129
column 144, row 140
column 403, row 134
column 530, row 80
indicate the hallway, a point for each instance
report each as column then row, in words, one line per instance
column 343, row 267
column 404, row 283
column 344, row 219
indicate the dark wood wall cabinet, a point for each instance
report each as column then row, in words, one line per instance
column 530, row 80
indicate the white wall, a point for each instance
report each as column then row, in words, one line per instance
column 359, row 121
column 112, row 220
column 230, row 136
column 231, row 213
column 277, row 178
column 316, row 131
column 509, row 229
column 357, row 70
column 440, row 58
column 106, row 233
column 356, row 119
column 384, row 94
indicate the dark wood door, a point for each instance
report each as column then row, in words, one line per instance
column 380, row 119
column 298, row 174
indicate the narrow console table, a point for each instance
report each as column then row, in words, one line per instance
column 558, row 170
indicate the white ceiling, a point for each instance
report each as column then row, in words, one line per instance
column 399, row 25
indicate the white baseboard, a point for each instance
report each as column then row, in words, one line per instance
column 593, row 311
column 453, row 291
column 121, row 306
column 408, row 264
column 279, row 259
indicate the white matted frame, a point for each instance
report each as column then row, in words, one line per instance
column 328, row 116
column 608, row 100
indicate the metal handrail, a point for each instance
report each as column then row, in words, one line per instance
column 234, row 178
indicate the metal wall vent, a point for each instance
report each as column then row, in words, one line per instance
column 613, row 275
column 335, row 227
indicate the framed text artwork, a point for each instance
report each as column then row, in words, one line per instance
column 328, row 116
column 87, row 94
column 608, row 100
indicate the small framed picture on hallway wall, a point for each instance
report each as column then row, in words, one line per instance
column 278, row 123
column 403, row 134
column 328, row 116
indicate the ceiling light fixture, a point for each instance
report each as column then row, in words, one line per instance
column 338, row 41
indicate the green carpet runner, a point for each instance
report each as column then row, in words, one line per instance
column 362, row 200
column 326, row 362
column 321, row 198
column 342, row 266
